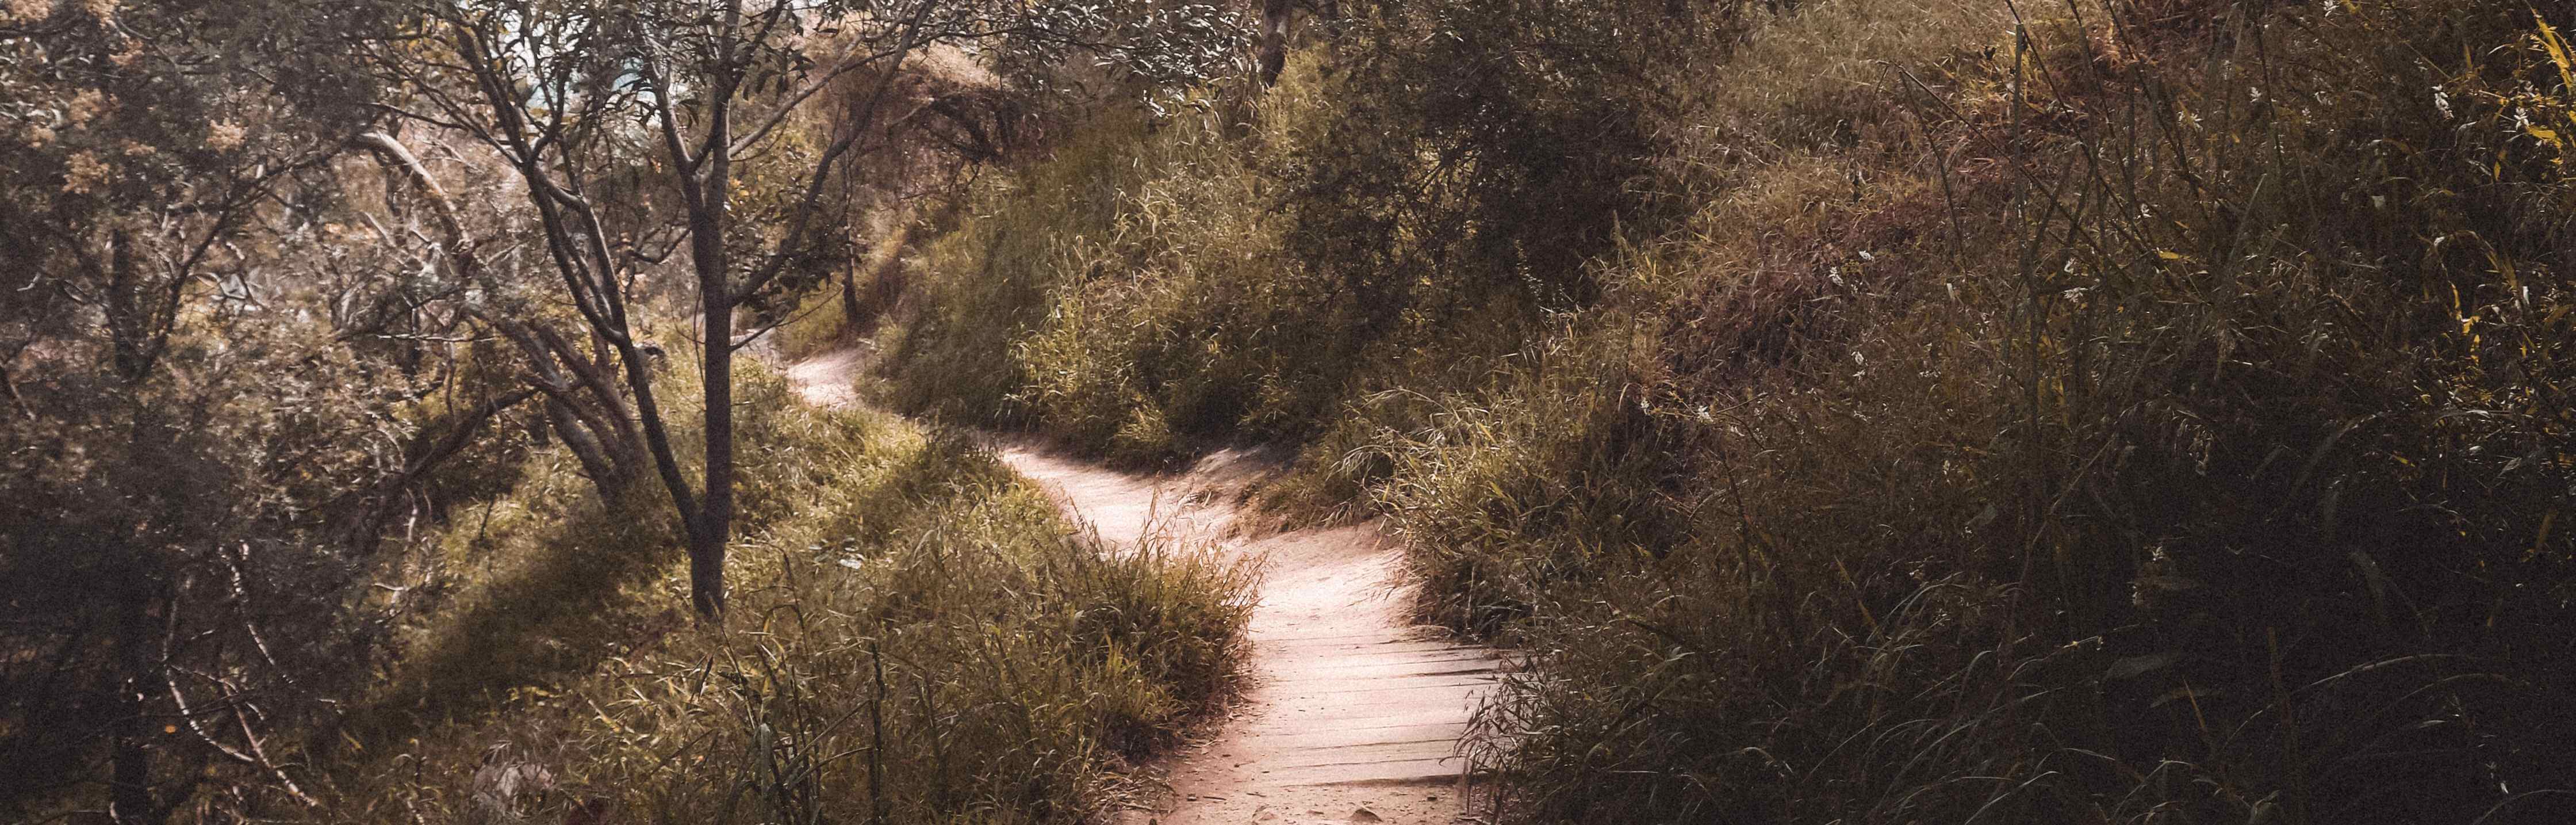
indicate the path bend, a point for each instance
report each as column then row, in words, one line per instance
column 1350, row 713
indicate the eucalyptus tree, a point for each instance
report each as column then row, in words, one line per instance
column 682, row 131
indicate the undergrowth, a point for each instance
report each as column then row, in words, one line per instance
column 1094, row 297
column 2143, row 411
column 915, row 637
column 1245, row 270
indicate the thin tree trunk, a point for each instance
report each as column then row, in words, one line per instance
column 592, row 374
column 712, row 526
column 598, row 429
column 666, row 464
column 714, row 522
column 603, row 472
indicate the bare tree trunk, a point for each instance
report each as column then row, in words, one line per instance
column 616, row 422
column 712, row 527
column 595, row 464
column 584, row 407
column 706, row 564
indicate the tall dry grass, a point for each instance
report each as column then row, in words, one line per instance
column 915, row 637
column 2196, row 459
column 2152, row 410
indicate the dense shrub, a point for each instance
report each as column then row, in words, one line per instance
column 1160, row 284
column 1479, row 152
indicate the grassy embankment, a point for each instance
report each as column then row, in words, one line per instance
column 2158, row 411
column 914, row 637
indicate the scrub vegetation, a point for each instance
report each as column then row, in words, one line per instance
column 918, row 638
column 1888, row 411
column 1874, row 410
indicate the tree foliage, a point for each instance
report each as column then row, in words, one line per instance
column 279, row 270
column 221, row 390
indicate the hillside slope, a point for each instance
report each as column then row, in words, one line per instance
column 1877, row 411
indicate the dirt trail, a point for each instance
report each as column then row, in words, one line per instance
column 1349, row 714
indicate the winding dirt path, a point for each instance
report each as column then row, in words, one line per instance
column 1349, row 713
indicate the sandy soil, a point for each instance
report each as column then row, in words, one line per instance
column 1349, row 713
